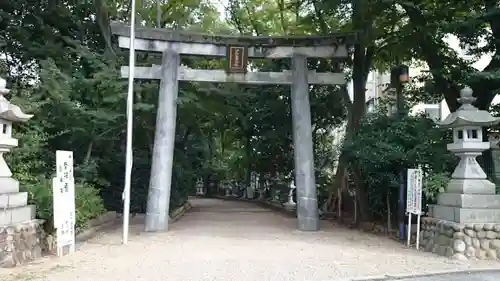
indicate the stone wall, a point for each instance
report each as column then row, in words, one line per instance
column 21, row 243
column 461, row 241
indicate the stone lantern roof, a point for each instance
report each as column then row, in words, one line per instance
column 10, row 111
column 467, row 114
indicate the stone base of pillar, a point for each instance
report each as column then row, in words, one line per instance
column 461, row 241
column 21, row 243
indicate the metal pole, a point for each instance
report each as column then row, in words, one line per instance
column 130, row 118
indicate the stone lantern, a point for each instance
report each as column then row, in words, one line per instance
column 470, row 196
column 9, row 113
column 200, row 187
column 13, row 204
column 17, row 219
column 290, row 204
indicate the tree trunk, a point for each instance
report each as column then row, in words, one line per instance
column 363, row 58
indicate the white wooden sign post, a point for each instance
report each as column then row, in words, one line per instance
column 414, row 199
column 63, row 188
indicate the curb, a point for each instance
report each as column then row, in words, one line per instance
column 112, row 217
column 96, row 225
column 181, row 211
column 390, row 277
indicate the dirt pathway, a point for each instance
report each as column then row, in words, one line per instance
column 236, row 241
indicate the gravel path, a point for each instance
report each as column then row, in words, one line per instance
column 236, row 241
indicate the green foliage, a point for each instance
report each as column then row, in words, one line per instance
column 434, row 184
column 384, row 145
column 63, row 66
column 88, row 203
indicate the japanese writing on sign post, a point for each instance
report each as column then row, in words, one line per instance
column 63, row 188
column 414, row 191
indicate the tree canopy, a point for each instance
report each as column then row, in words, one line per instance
column 62, row 64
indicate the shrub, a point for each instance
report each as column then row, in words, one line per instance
column 383, row 145
column 88, row 203
column 434, row 184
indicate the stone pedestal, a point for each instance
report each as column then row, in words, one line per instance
column 468, row 201
column 21, row 235
column 21, row 243
column 14, row 206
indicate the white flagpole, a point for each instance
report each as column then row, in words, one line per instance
column 130, row 113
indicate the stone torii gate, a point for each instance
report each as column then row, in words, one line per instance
column 237, row 49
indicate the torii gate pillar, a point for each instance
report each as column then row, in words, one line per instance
column 160, row 183
column 307, row 202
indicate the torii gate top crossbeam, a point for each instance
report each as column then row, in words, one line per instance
column 159, row 39
column 164, row 34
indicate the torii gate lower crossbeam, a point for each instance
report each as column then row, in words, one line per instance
column 171, row 72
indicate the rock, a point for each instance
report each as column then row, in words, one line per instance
column 481, row 234
column 478, row 227
column 488, row 226
column 460, row 235
column 469, row 226
column 459, row 257
column 491, row 254
column 470, row 232
column 470, row 252
column 459, row 245
column 485, row 244
column 458, row 227
column 491, row 234
column 429, row 246
column 495, row 244
column 442, row 250
column 443, row 240
column 450, row 252
column 422, row 239
column 476, row 243
column 481, row 254
column 21, row 243
column 496, row 228
column 435, row 248
column 468, row 240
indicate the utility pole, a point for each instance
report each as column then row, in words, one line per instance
column 399, row 77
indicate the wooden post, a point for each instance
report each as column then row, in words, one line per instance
column 157, row 215
column 307, row 201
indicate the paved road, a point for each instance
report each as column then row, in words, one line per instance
column 227, row 241
column 460, row 276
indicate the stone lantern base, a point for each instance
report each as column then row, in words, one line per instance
column 21, row 235
column 465, row 222
column 468, row 201
column 461, row 241
column 21, row 243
